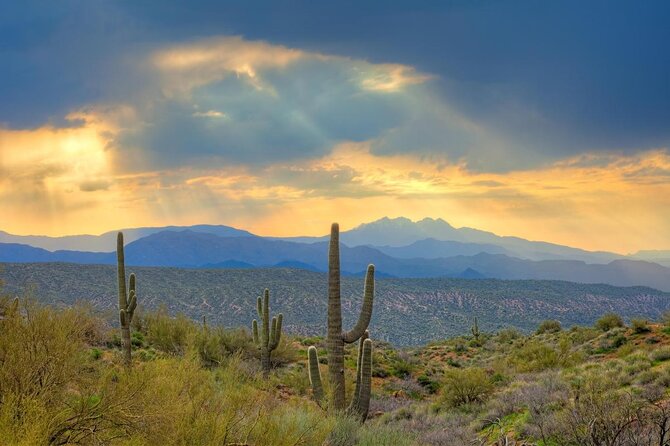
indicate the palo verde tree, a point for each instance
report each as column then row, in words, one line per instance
column 127, row 299
column 337, row 338
column 270, row 333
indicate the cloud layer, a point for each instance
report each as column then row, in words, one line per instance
column 113, row 115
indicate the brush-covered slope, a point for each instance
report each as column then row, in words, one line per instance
column 407, row 311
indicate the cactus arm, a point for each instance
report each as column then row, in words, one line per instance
column 276, row 332
column 132, row 304
column 315, row 374
column 131, row 283
column 121, row 272
column 265, row 333
column 122, row 317
column 366, row 311
column 273, row 328
column 259, row 307
column 353, row 407
column 366, row 380
column 254, row 331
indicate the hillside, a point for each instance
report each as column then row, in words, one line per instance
column 200, row 384
column 407, row 311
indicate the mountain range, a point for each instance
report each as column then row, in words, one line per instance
column 398, row 247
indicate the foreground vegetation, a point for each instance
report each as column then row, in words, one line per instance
column 63, row 381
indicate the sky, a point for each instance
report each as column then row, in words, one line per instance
column 545, row 120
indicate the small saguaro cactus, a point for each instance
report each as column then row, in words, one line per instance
column 475, row 330
column 270, row 332
column 360, row 404
column 336, row 338
column 127, row 299
column 315, row 374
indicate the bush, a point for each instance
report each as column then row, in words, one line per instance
column 508, row 335
column 661, row 354
column 167, row 334
column 430, row 385
column 609, row 321
column 665, row 318
column 466, row 386
column 640, row 325
column 549, row 326
column 536, row 356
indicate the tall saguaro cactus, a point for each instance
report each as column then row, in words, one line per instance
column 127, row 299
column 270, row 332
column 337, row 338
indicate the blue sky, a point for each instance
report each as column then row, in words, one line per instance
column 491, row 87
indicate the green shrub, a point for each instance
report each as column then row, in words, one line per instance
column 665, row 318
column 96, row 354
column 429, row 384
column 465, row 386
column 168, row 334
column 549, row 326
column 661, row 354
column 536, row 356
column 508, row 335
column 137, row 339
column 609, row 321
column 640, row 326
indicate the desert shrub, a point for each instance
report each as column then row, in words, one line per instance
column 168, row 334
column 137, row 339
column 640, row 325
column 405, row 387
column 431, row 385
column 508, row 335
column 465, row 386
column 460, row 347
column 95, row 354
column 597, row 413
column 536, row 356
column 49, row 389
column 454, row 363
column 665, row 318
column 384, row 435
column 344, row 432
column 549, row 326
column 609, row 321
column 660, row 354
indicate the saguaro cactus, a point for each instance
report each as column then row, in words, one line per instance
column 270, row 332
column 127, row 299
column 360, row 403
column 315, row 374
column 336, row 338
column 475, row 330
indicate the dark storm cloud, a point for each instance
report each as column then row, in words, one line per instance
column 522, row 82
